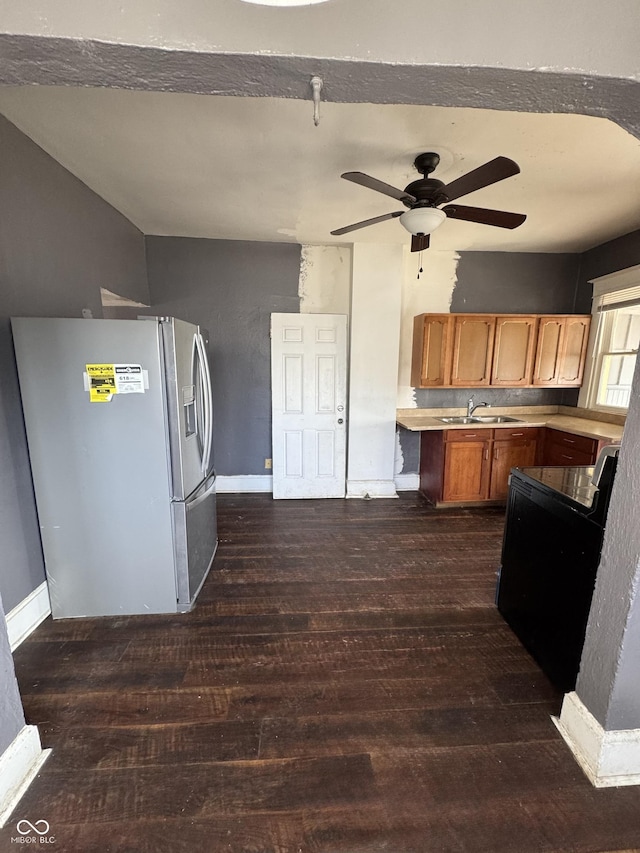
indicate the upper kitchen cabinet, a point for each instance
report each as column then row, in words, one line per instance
column 561, row 350
column 473, row 336
column 514, row 349
column 503, row 350
column 432, row 342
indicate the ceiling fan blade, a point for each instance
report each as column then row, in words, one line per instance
column 366, row 222
column 419, row 242
column 492, row 172
column 378, row 186
column 484, row 216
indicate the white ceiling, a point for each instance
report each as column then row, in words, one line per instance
column 258, row 169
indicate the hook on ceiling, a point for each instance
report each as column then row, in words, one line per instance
column 316, row 89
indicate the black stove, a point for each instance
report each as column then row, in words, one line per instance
column 550, row 555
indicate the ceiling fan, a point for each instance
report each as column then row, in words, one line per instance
column 423, row 197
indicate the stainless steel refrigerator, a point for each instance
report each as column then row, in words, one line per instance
column 119, row 420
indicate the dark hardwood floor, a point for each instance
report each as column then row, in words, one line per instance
column 344, row 684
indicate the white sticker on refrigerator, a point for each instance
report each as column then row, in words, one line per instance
column 129, row 378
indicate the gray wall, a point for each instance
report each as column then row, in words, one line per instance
column 11, row 713
column 509, row 283
column 59, row 243
column 231, row 288
column 515, row 283
column 610, row 257
column 608, row 679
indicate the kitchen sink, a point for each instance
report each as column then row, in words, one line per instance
column 479, row 419
column 494, row 419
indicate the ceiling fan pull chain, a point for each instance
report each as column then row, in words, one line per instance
column 420, row 262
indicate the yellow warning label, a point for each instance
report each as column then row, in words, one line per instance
column 102, row 382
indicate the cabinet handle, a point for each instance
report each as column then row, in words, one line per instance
column 569, row 440
column 564, row 456
column 495, row 453
column 486, row 453
column 517, row 433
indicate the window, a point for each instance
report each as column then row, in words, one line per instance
column 614, row 343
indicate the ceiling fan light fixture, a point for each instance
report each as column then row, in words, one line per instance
column 422, row 220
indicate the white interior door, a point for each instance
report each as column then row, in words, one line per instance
column 309, row 399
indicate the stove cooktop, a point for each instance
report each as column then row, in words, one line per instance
column 573, row 482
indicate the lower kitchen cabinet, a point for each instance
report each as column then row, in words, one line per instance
column 467, row 466
column 565, row 448
column 517, row 451
column 472, row 466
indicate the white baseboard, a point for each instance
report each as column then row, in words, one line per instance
column 371, row 489
column 355, row 488
column 245, row 483
column 407, row 482
column 19, row 765
column 28, row 614
column 609, row 759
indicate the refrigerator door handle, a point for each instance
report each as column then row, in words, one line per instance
column 209, row 393
column 205, row 380
column 201, row 496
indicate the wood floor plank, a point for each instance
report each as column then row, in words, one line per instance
column 482, row 771
column 200, row 621
column 136, row 707
column 390, row 731
column 357, row 695
column 356, row 665
column 266, row 833
column 260, row 701
column 433, row 615
column 343, row 685
column 494, row 639
column 67, row 676
column 161, row 745
column 200, row 791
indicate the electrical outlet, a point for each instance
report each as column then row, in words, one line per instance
column 267, row 463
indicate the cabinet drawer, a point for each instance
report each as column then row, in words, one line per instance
column 572, row 442
column 557, row 455
column 513, row 432
column 471, row 434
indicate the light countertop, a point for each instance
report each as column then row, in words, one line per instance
column 556, row 417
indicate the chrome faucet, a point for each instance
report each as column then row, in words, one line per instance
column 471, row 407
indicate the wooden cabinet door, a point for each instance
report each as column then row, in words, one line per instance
column 573, row 350
column 561, row 351
column 513, row 350
column 545, row 371
column 431, row 356
column 473, row 336
column 507, row 454
column 467, row 467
